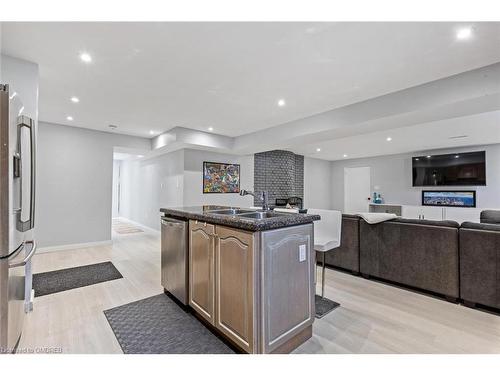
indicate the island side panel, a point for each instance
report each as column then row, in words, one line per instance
column 287, row 277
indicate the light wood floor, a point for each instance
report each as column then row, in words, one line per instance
column 73, row 320
column 373, row 317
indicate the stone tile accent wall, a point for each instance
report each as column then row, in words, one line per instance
column 279, row 172
column 299, row 176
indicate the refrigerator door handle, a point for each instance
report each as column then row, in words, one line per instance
column 28, row 257
column 18, row 249
column 28, row 123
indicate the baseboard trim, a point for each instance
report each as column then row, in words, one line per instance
column 142, row 226
column 49, row 249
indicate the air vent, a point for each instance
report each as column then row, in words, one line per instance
column 458, row 136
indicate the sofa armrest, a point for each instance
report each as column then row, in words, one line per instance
column 480, row 263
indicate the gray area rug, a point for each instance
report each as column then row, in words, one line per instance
column 157, row 325
column 324, row 306
column 70, row 278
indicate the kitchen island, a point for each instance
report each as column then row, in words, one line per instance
column 251, row 274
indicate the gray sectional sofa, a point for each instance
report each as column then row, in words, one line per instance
column 480, row 262
column 490, row 217
column 459, row 262
column 419, row 253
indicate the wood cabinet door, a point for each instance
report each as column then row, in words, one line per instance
column 201, row 269
column 235, row 267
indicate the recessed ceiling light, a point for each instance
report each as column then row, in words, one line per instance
column 210, row 129
column 417, row 159
column 85, row 57
column 69, row 118
column 345, row 155
column 318, row 149
column 74, row 99
column 152, row 132
column 428, row 156
column 388, row 139
column 464, row 33
column 281, row 102
column 140, row 156
column 457, row 156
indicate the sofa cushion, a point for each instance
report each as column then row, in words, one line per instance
column 417, row 253
column 480, row 226
column 346, row 256
column 350, row 216
column 490, row 216
column 480, row 264
column 439, row 223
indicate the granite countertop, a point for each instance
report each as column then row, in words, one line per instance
column 203, row 213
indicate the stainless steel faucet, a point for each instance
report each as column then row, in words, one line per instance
column 263, row 196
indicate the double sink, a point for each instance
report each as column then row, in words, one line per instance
column 247, row 214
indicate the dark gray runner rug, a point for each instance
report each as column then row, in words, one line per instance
column 70, row 278
column 324, row 306
column 157, row 325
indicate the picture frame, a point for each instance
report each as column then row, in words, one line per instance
column 449, row 198
column 221, row 178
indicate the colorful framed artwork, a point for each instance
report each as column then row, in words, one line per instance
column 221, row 178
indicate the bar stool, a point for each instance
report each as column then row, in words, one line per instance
column 327, row 236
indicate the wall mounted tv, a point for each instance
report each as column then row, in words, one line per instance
column 462, row 169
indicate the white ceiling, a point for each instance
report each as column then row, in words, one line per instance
column 479, row 129
column 156, row 76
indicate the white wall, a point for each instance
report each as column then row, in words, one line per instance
column 148, row 185
column 317, row 189
column 392, row 175
column 22, row 77
column 193, row 179
column 74, row 183
column 173, row 180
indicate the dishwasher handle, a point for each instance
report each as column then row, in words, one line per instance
column 172, row 222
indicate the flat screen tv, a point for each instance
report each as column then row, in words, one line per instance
column 463, row 169
column 463, row 198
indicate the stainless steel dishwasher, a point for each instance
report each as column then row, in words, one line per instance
column 174, row 258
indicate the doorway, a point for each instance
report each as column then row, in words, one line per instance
column 121, row 223
column 357, row 189
column 115, row 212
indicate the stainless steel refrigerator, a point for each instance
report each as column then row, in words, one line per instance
column 17, row 214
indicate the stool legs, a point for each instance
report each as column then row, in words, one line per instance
column 323, row 276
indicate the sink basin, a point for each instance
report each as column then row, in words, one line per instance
column 262, row 215
column 231, row 211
